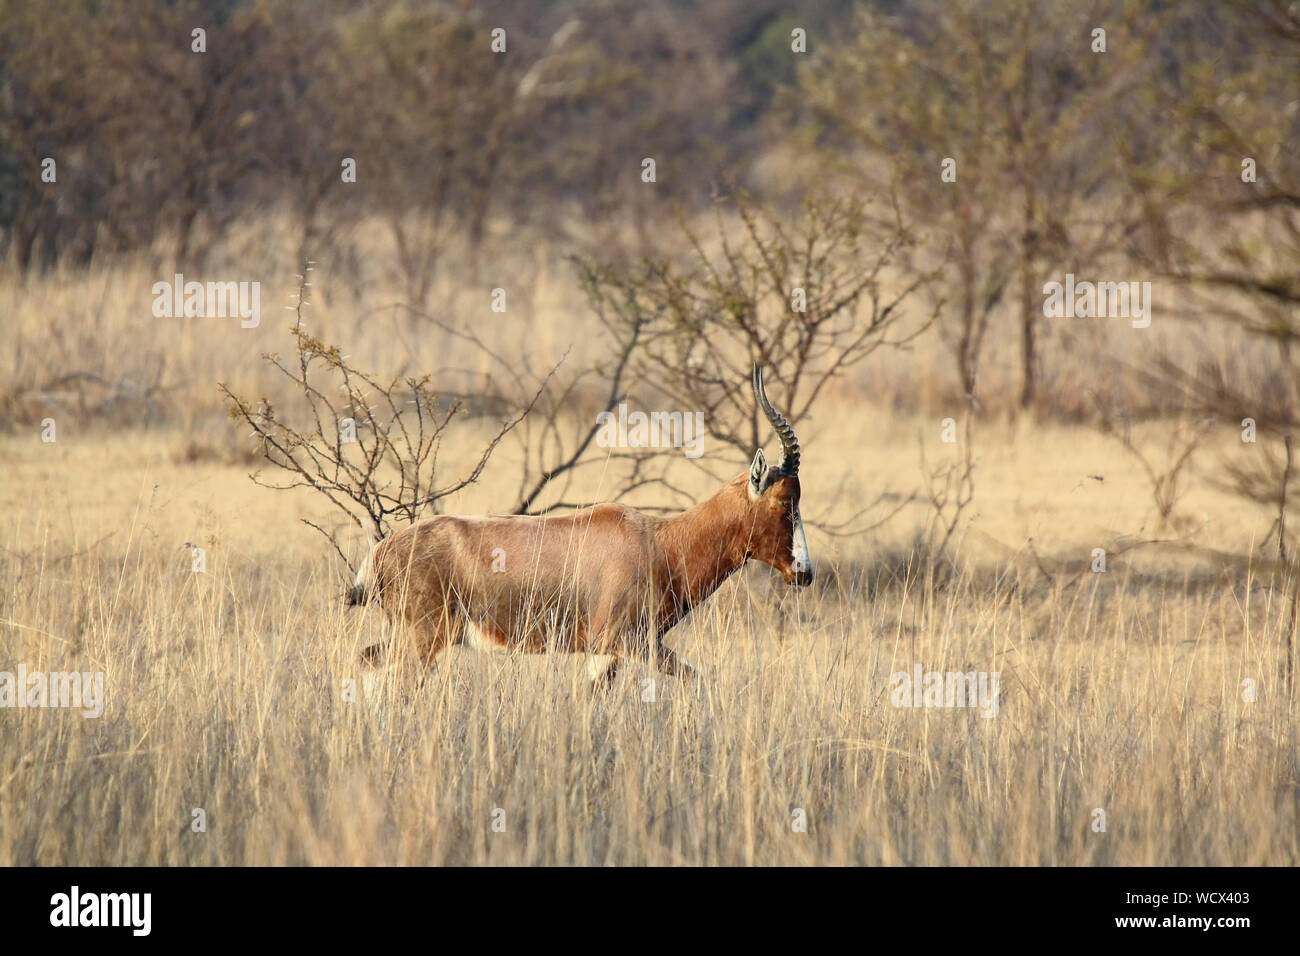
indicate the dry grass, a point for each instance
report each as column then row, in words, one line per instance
column 226, row 690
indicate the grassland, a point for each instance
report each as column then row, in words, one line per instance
column 227, row 690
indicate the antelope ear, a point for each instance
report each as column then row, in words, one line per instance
column 757, row 472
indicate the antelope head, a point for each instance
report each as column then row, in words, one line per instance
column 776, row 532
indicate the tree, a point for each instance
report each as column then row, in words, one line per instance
column 807, row 297
column 991, row 120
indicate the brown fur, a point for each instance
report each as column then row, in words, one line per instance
column 607, row 579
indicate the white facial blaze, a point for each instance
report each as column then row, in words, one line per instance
column 799, row 545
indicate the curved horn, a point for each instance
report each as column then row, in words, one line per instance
column 789, row 444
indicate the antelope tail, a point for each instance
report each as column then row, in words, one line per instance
column 360, row 591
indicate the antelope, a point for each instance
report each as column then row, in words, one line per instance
column 606, row 580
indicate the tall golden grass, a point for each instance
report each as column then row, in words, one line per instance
column 230, row 690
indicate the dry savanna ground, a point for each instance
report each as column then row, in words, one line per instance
column 1121, row 693
column 1140, row 718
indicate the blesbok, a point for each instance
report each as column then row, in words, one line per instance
column 607, row 580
